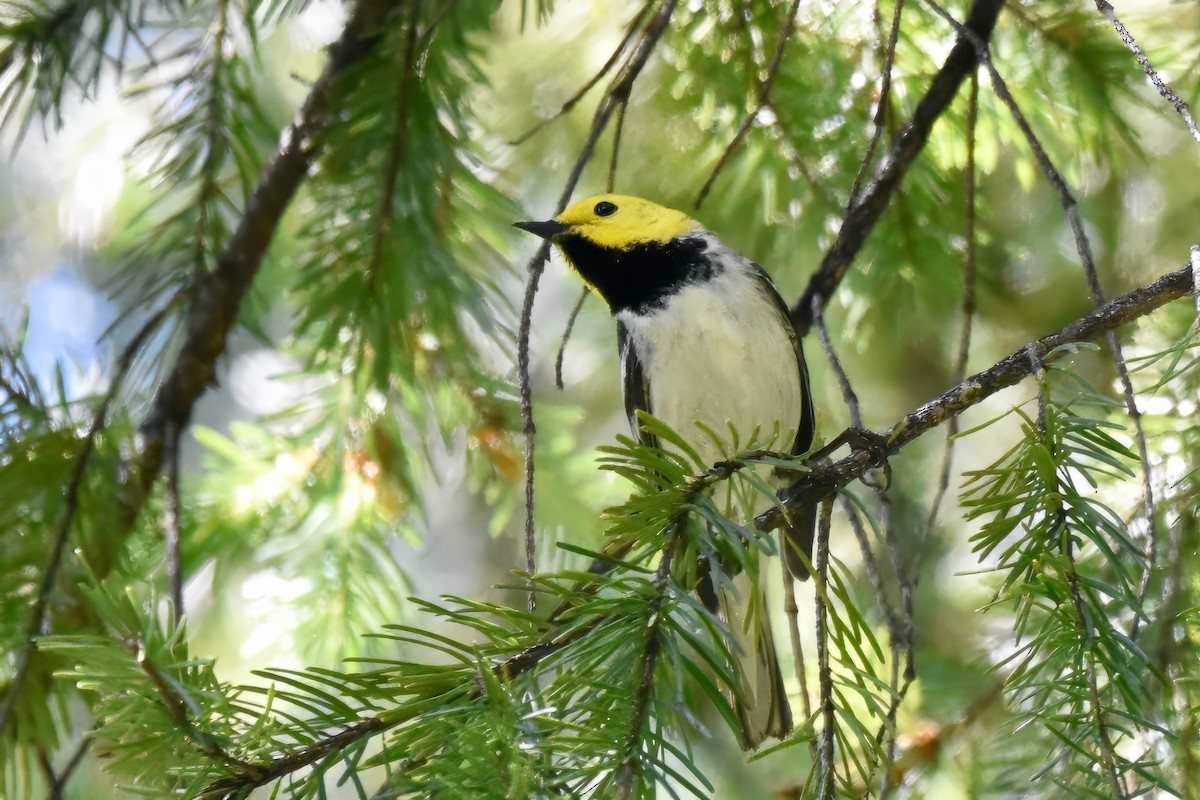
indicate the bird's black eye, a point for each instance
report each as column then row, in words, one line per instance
column 605, row 209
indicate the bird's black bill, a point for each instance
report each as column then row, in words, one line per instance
column 547, row 230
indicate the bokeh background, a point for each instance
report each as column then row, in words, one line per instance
column 361, row 445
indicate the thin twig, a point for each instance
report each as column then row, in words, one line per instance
column 792, row 611
column 536, row 265
column 587, row 87
column 651, row 646
column 848, row 394
column 618, row 92
column 1164, row 89
column 583, row 295
column 968, row 305
column 871, row 565
column 616, row 146
column 861, row 217
column 899, row 627
column 888, row 728
column 396, row 150
column 562, row 345
column 56, row 783
column 171, row 520
column 764, row 94
column 851, row 399
column 881, row 107
column 1084, row 248
column 826, row 779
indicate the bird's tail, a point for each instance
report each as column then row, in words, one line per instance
column 796, row 538
column 762, row 706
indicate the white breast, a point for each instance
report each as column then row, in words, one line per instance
column 719, row 355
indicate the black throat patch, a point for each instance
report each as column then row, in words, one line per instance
column 640, row 278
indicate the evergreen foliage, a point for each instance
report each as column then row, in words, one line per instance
column 201, row 605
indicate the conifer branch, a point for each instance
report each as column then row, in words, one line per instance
column 1066, row 540
column 249, row 776
column 861, row 216
column 218, row 296
column 241, row 785
column 213, row 126
column 40, row 616
column 820, row 481
column 1084, row 248
column 824, row 479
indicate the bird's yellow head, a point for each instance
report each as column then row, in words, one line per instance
column 615, row 221
column 634, row 253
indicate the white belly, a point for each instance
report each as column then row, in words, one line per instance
column 718, row 357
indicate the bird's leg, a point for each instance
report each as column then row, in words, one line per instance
column 876, row 444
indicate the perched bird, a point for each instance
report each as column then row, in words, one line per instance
column 706, row 343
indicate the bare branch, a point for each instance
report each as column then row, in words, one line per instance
column 824, row 479
column 56, row 783
column 968, row 306
column 792, row 611
column 587, row 87
column 562, row 345
column 861, row 216
column 1164, row 89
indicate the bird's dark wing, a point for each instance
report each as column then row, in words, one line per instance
column 807, row 424
column 800, row 531
column 636, row 386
